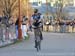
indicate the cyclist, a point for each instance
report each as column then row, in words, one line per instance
column 37, row 21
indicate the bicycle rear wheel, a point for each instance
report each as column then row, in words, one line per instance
column 37, row 38
column 38, row 46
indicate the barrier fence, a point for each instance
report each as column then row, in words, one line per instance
column 7, row 34
column 59, row 28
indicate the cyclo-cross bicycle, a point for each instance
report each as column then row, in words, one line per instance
column 37, row 32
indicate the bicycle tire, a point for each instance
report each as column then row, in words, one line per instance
column 38, row 45
column 38, row 40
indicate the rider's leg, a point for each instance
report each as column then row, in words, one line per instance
column 41, row 37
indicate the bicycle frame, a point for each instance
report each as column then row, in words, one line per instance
column 37, row 38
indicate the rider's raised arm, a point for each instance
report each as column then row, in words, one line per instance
column 41, row 18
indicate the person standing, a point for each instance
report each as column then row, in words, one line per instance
column 24, row 27
column 16, row 27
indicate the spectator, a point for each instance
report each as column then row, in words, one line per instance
column 24, row 27
column 16, row 25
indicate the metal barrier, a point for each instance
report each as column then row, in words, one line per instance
column 7, row 34
column 59, row 28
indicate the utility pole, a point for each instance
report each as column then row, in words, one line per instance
column 19, row 23
column 28, row 11
column 47, row 7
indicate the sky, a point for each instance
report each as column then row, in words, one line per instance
column 43, row 1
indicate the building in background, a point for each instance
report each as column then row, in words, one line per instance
column 52, row 5
column 54, row 2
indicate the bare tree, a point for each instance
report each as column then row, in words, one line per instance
column 7, row 7
column 61, row 13
column 10, row 8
